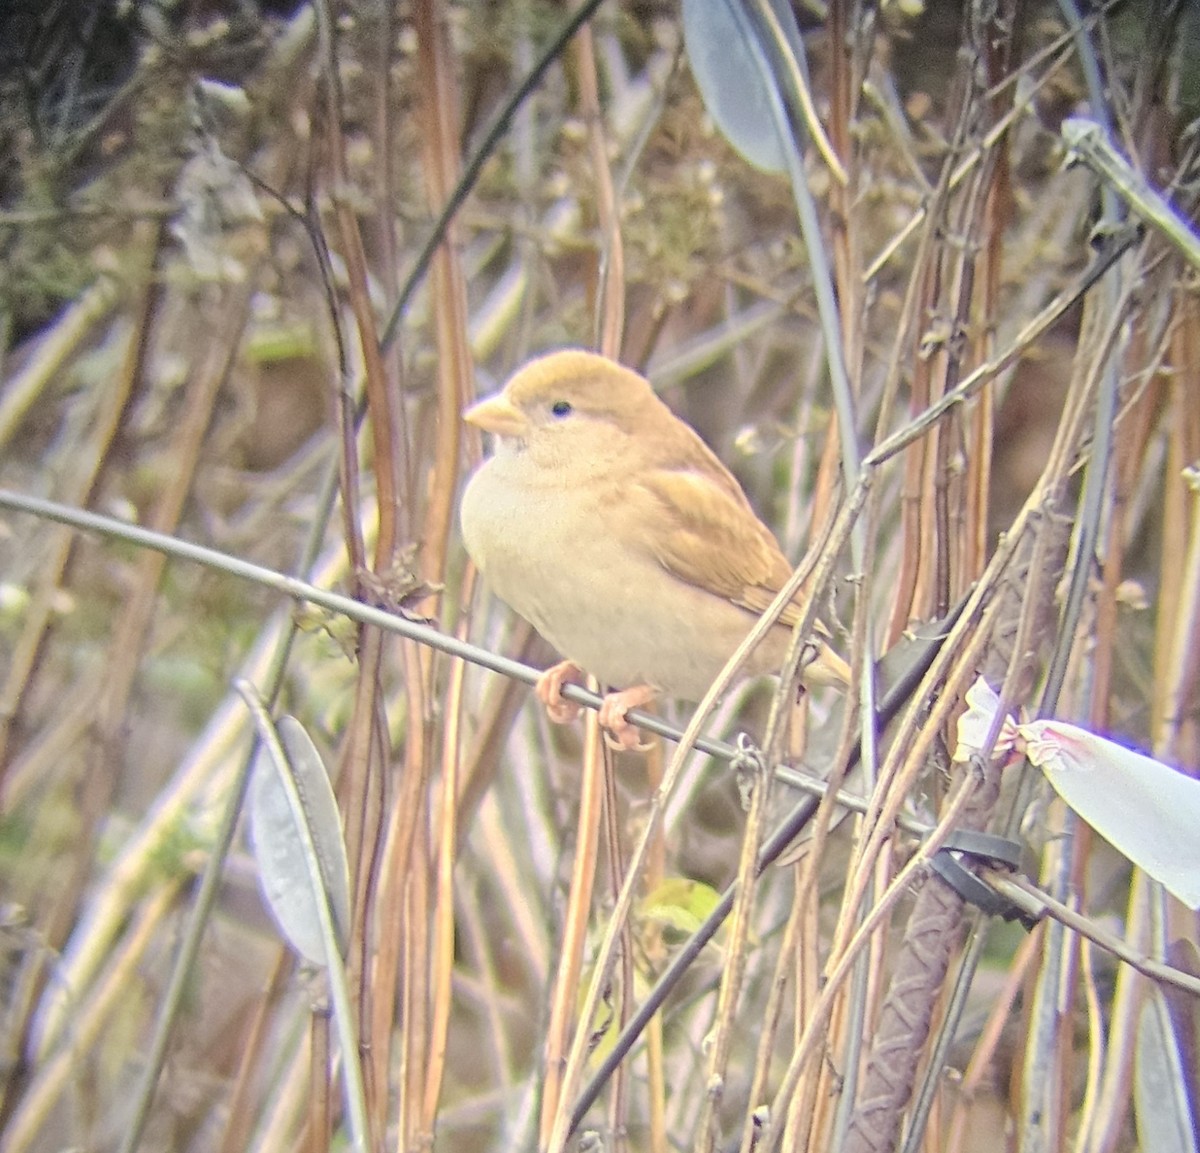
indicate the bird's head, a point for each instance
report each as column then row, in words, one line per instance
column 570, row 408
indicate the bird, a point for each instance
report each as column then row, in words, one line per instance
column 606, row 522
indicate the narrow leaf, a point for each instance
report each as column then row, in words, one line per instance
column 730, row 82
column 280, row 850
column 1164, row 1112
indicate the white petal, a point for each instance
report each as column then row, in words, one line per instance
column 975, row 724
column 1149, row 811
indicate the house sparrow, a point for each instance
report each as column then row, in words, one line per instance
column 610, row 526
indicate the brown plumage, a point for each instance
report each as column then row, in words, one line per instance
column 605, row 521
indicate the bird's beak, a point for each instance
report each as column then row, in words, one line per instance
column 497, row 415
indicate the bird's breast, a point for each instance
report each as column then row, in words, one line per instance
column 537, row 545
column 556, row 555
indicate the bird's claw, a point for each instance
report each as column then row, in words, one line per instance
column 619, row 734
column 626, row 740
column 549, row 691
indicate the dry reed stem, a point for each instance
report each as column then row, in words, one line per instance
column 610, row 297
column 96, row 1012
column 23, row 389
column 757, row 780
column 240, row 1118
column 362, row 760
column 563, row 1007
column 130, row 640
column 445, row 852
column 80, row 488
column 441, row 170
column 984, row 1053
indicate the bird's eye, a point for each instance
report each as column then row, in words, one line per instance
column 561, row 408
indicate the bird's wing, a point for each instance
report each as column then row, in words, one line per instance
column 707, row 534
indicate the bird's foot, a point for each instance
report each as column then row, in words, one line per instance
column 549, row 691
column 618, row 732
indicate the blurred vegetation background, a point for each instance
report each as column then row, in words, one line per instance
column 222, row 318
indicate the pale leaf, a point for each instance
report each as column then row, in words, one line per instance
column 279, row 845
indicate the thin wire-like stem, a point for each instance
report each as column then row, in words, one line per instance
column 301, row 591
column 474, row 167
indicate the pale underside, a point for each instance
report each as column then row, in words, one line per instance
column 545, row 559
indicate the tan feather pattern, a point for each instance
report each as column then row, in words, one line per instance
column 703, row 536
